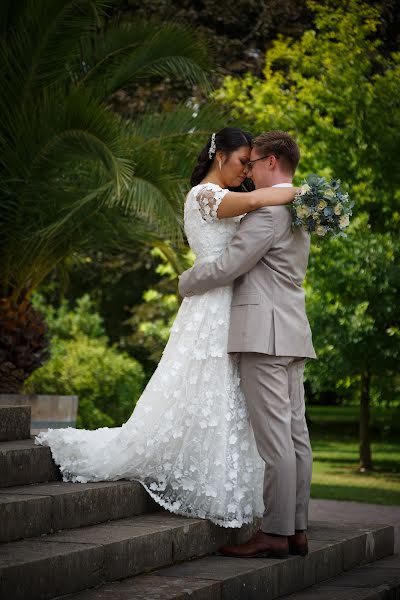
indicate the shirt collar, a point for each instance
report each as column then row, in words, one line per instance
column 283, row 185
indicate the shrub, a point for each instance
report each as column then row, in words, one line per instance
column 107, row 382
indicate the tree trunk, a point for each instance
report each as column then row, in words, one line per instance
column 365, row 442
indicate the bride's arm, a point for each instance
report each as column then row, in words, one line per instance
column 234, row 204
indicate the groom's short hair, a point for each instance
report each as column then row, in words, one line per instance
column 281, row 145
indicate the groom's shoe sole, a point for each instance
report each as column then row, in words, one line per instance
column 303, row 552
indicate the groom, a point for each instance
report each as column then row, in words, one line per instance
column 267, row 262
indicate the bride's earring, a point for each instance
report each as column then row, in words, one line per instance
column 219, row 162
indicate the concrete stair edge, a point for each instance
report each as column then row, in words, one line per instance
column 22, row 462
column 71, row 560
column 36, row 509
column 129, row 547
column 222, row 578
column 15, row 422
column 377, row 581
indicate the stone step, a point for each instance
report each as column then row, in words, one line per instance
column 63, row 563
column 377, row 581
column 35, row 509
column 15, row 423
column 51, row 565
column 22, row 462
column 333, row 550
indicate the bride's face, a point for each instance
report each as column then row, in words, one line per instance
column 234, row 167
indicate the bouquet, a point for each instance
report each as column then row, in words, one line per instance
column 322, row 207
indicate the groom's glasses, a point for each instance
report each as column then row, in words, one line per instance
column 250, row 163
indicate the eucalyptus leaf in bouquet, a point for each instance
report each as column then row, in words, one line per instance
column 322, row 207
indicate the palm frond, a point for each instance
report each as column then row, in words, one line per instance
column 178, row 134
column 181, row 121
column 72, row 174
column 69, row 137
column 46, row 35
column 137, row 50
column 157, row 201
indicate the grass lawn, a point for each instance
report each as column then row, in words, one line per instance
column 386, row 421
column 333, row 433
column 335, row 473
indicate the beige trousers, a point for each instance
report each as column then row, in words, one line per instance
column 274, row 391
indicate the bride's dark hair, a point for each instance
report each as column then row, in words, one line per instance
column 227, row 140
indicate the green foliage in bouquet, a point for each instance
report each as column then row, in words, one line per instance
column 322, row 207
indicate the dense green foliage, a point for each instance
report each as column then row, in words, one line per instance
column 352, row 304
column 339, row 95
column 83, row 363
column 74, row 176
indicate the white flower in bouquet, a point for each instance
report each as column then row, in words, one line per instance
column 322, row 204
column 304, row 189
column 320, row 230
column 338, row 209
column 302, row 211
column 344, row 221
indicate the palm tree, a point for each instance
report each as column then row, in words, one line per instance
column 74, row 175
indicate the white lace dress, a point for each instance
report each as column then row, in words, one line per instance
column 189, row 440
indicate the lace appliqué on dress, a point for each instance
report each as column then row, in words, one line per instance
column 209, row 197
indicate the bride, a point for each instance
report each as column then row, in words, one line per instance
column 189, row 441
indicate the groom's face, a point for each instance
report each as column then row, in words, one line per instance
column 260, row 170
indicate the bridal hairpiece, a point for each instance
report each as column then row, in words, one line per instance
column 212, row 147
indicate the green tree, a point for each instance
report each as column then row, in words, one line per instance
column 338, row 93
column 73, row 175
column 340, row 97
column 352, row 305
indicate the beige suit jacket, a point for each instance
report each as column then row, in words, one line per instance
column 267, row 262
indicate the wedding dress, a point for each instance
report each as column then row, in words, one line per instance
column 189, row 440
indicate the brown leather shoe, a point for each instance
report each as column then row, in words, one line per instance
column 259, row 545
column 298, row 543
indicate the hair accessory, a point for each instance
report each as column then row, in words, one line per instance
column 212, row 147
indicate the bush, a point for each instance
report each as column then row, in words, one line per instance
column 107, row 382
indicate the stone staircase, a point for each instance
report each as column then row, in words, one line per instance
column 111, row 541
